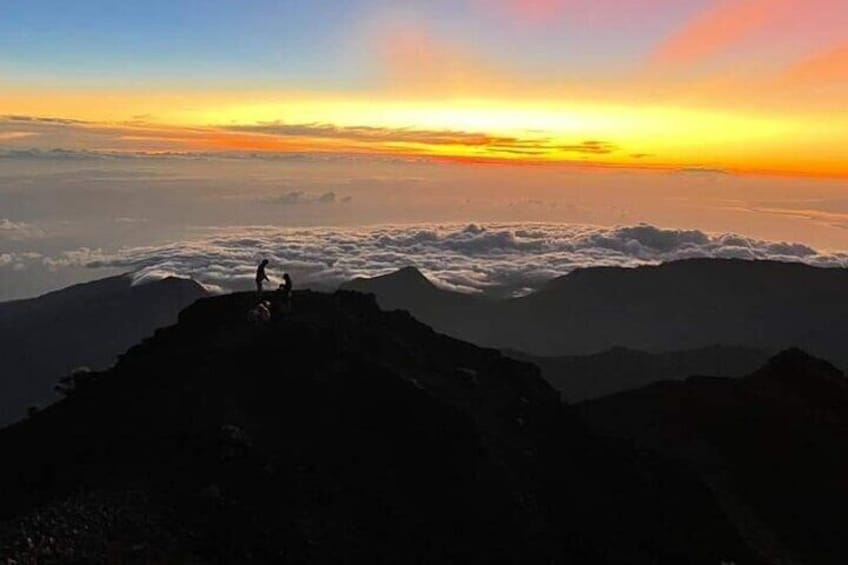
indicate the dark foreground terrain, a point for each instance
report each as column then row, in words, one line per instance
column 772, row 447
column 342, row 433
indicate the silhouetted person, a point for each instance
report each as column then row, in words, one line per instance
column 261, row 276
column 284, row 292
column 261, row 313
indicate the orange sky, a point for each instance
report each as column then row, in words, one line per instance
column 748, row 86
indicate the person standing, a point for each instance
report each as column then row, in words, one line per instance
column 261, row 276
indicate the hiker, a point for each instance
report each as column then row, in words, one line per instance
column 261, row 313
column 261, row 276
column 282, row 298
column 285, row 291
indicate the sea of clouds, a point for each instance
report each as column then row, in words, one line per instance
column 494, row 258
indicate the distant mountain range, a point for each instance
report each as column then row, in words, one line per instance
column 43, row 339
column 684, row 305
column 771, row 447
column 582, row 377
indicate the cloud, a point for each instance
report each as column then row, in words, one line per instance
column 471, row 258
column 298, row 197
column 827, row 66
column 63, row 154
column 18, row 231
column 591, row 147
column 702, row 171
column 71, row 139
column 8, row 135
column 142, row 118
column 111, row 155
column 371, row 133
column 538, row 145
column 722, row 24
column 82, row 257
column 18, row 261
column 822, row 217
column 417, row 60
column 131, row 220
column 41, row 120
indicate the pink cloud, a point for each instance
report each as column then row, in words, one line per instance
column 724, row 23
column 827, row 66
column 415, row 59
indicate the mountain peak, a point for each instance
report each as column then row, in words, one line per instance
column 175, row 281
column 401, row 281
column 804, row 374
column 407, row 275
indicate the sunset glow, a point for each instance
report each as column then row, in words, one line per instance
column 695, row 84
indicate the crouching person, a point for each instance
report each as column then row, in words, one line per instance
column 283, row 299
column 261, row 313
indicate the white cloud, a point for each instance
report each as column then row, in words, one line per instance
column 17, row 231
column 8, row 135
column 471, row 258
column 82, row 257
column 18, row 261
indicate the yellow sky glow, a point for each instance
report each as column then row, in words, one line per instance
column 636, row 135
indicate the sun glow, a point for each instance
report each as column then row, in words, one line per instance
column 533, row 131
column 550, row 131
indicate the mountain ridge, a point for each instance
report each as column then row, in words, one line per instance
column 585, row 377
column 678, row 305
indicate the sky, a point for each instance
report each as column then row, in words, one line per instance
column 130, row 125
column 743, row 85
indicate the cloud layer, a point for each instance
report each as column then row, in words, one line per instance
column 496, row 258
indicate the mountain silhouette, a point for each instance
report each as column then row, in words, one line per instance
column 584, row 377
column 88, row 325
column 772, row 446
column 338, row 432
column 682, row 305
column 454, row 313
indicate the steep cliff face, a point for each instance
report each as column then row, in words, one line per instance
column 337, row 431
